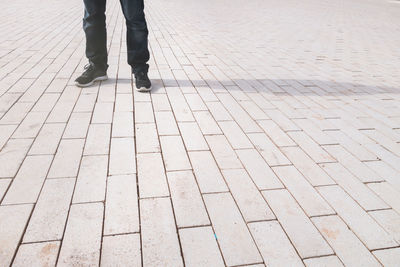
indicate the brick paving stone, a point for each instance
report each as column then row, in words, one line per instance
column 258, row 169
column 67, row 159
column 103, row 112
column 143, row 112
column 388, row 257
column 50, row 213
column 234, row 238
column 147, row 138
column 91, row 182
column 268, row 150
column 28, row 182
column 275, row 247
column 48, row 139
column 208, row 175
column 328, row 261
column 388, row 194
column 160, row 245
column 175, row 156
column 186, row 198
column 12, row 223
column 151, row 176
column 250, row 201
column 82, row 238
column 354, row 187
column 77, row 126
column 223, row 152
column 278, row 136
column 192, row 136
column 389, row 174
column 207, row 123
column 389, row 220
column 366, row 228
column 308, row 198
column 307, row 241
column 121, row 250
column 122, row 212
column 218, row 111
column 166, row 124
column 37, row 254
column 346, row 245
column 122, row 124
column 236, row 137
column 98, row 140
column 12, row 156
column 31, row 125
column 198, row 242
column 311, row 171
column 355, row 166
column 122, row 156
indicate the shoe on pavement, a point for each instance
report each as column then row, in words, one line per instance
column 142, row 81
column 91, row 75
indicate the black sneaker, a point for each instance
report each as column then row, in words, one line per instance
column 142, row 81
column 90, row 75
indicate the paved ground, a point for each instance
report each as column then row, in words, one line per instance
column 271, row 137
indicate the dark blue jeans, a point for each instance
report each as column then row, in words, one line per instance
column 94, row 25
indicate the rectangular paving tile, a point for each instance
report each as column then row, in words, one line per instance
column 258, row 169
column 122, row 156
column 347, row 246
column 122, row 212
column 4, row 183
column 388, row 257
column 389, row 220
column 160, row 245
column 143, row 112
column 308, row 198
column 311, row 171
column 304, row 236
column 122, row 124
column 103, row 112
column 12, row 156
column 386, row 192
column 248, row 198
column 278, row 136
column 147, row 138
column 274, row 245
column 207, row 123
column 50, row 213
column 82, row 238
column 192, row 136
column 316, row 152
column 236, row 137
column 77, row 125
column 98, row 140
column 174, row 153
column 234, row 238
column 386, row 172
column 28, row 182
column 179, row 105
column 354, row 187
column 31, row 125
column 37, row 254
column 186, row 198
column 121, row 250
column 48, row 139
column 67, row 159
column 198, row 242
column 91, row 181
column 151, row 176
column 366, row 228
column 268, row 150
column 223, row 152
column 12, row 224
column 207, row 173
column 166, row 124
column 354, row 165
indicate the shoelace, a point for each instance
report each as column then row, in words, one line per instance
column 88, row 67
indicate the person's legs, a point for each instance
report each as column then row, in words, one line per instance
column 137, row 35
column 94, row 25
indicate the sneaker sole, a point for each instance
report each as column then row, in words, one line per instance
column 101, row 78
column 144, row 89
